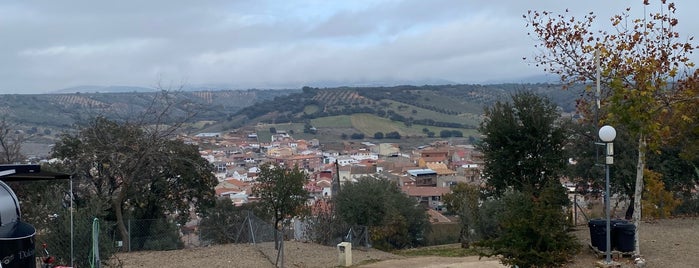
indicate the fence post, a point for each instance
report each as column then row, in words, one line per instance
column 366, row 237
column 575, row 209
column 252, row 233
column 72, row 226
column 129, row 236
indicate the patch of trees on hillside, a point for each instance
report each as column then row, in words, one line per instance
column 61, row 111
column 371, row 100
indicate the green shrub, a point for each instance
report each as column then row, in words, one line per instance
column 532, row 232
column 443, row 233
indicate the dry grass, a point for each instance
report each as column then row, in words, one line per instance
column 664, row 243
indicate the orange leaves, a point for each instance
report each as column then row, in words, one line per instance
column 636, row 37
column 673, row 22
column 673, row 72
column 657, row 201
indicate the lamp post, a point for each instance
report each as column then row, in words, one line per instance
column 607, row 134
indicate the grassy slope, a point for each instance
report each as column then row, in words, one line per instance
column 457, row 104
column 338, row 121
column 364, row 123
column 464, row 118
column 370, row 124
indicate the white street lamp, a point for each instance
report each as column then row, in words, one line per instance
column 607, row 134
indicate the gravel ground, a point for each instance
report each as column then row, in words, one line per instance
column 664, row 243
column 218, row 256
column 299, row 254
column 437, row 262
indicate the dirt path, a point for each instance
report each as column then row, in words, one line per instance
column 218, row 256
column 437, row 262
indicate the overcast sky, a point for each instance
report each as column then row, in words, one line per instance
column 50, row 45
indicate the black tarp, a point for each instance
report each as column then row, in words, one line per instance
column 17, row 237
column 29, row 173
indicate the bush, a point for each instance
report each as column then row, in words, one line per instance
column 689, row 206
column 324, row 226
column 393, row 135
column 357, row 136
column 445, row 133
column 532, row 231
column 394, row 219
column 154, row 234
column 443, row 233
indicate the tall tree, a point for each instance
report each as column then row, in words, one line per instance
column 136, row 171
column 522, row 144
column 139, row 159
column 523, row 151
column 281, row 192
column 644, row 65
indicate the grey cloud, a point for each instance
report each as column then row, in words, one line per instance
column 56, row 44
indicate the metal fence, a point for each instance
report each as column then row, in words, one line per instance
column 358, row 236
column 75, row 242
column 237, row 226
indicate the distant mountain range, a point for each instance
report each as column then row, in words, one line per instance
column 102, row 89
column 545, row 78
column 451, row 106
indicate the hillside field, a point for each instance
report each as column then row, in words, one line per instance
column 331, row 128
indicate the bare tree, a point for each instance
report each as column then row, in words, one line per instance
column 10, row 143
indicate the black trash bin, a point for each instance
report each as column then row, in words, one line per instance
column 17, row 245
column 598, row 233
column 624, row 235
column 16, row 237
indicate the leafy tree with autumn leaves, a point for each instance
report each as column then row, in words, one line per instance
column 646, row 75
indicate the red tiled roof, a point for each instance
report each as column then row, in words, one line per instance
column 440, row 168
column 325, row 175
column 323, row 183
column 222, row 190
column 425, row 191
column 237, row 182
column 434, row 159
column 436, row 217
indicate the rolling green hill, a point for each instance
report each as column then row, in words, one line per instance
column 438, row 107
column 411, row 111
column 46, row 115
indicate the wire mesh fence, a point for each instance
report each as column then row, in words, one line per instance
column 358, row 236
column 234, row 227
column 76, row 242
column 237, row 226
